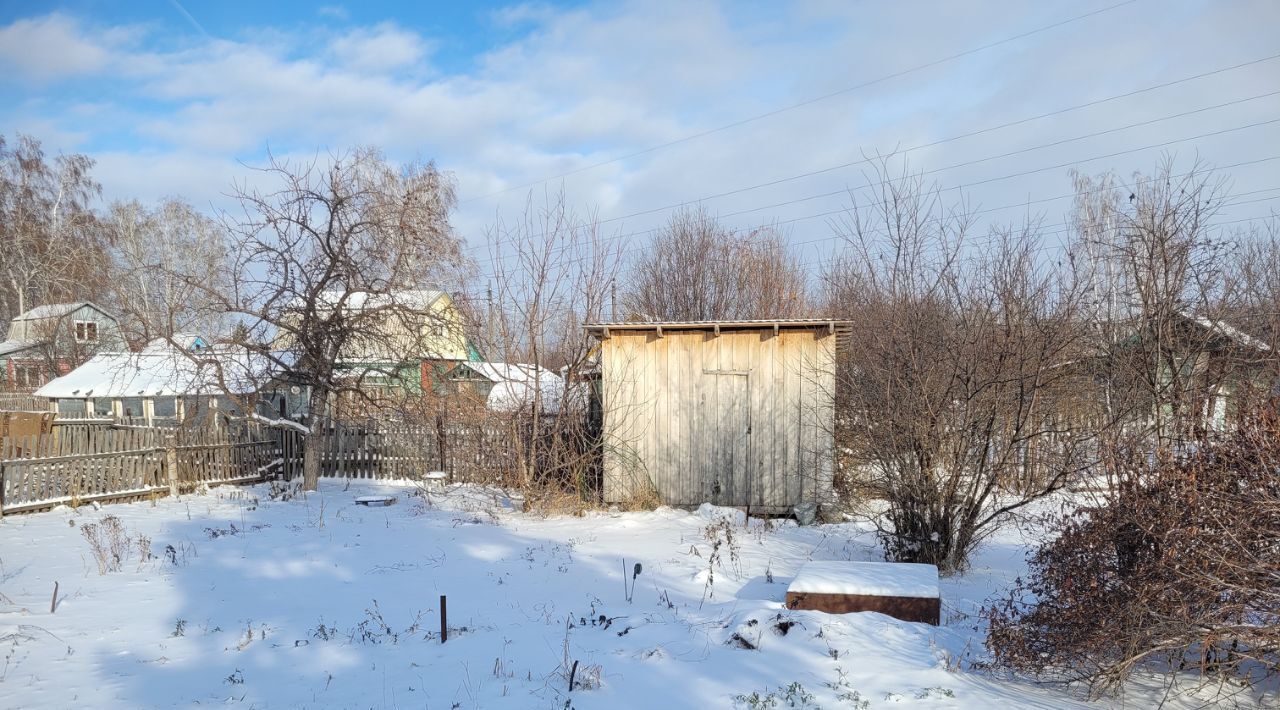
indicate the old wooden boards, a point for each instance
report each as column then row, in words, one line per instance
column 739, row 415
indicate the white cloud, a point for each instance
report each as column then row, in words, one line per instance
column 380, row 48
column 581, row 86
column 54, row 46
column 336, row 12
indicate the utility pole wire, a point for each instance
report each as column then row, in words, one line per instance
column 806, row 102
column 626, row 235
column 931, row 144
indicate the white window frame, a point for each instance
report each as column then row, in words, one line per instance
column 82, row 328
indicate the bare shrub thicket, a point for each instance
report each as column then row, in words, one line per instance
column 553, row 272
column 697, row 269
column 950, row 396
column 1177, row 571
column 111, row 545
column 1173, row 567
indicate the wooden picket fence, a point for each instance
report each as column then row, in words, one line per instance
column 85, row 462
column 82, row 461
column 22, row 402
column 380, row 450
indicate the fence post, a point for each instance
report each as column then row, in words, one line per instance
column 171, row 464
column 1, row 490
column 442, row 444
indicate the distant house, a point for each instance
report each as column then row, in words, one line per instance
column 415, row 338
column 1222, row 367
column 507, row 387
column 163, row 385
column 49, row 340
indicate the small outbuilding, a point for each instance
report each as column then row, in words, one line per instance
column 732, row 413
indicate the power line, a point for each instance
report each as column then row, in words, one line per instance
column 992, row 209
column 806, row 102
column 559, row 302
column 492, row 261
column 942, row 141
column 1063, row 228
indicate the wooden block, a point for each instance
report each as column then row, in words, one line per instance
column 918, row 609
column 904, row 591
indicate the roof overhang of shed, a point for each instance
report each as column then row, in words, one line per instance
column 830, row 326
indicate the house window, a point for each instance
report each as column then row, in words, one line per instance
column 131, row 408
column 28, row 376
column 86, row 331
column 166, row 407
column 71, row 408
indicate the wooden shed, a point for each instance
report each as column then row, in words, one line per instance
column 731, row 413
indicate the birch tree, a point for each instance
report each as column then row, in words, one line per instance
column 49, row 247
column 152, row 250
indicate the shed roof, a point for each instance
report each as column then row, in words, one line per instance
column 835, row 326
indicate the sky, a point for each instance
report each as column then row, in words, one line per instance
column 632, row 109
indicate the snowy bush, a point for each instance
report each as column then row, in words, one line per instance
column 1178, row 571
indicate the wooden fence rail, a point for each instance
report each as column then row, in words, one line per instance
column 21, row 402
column 467, row 452
column 82, row 463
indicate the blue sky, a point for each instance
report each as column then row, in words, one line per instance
column 175, row 99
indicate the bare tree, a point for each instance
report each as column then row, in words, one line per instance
column 1155, row 268
column 1256, row 296
column 697, row 269
column 50, row 249
column 962, row 359
column 151, row 251
column 552, row 275
column 327, row 277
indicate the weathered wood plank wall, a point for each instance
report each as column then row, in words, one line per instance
column 743, row 418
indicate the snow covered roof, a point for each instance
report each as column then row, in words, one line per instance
column 13, row 346
column 187, row 341
column 1231, row 333
column 158, row 373
column 56, row 310
column 513, row 385
column 704, row 324
column 418, row 300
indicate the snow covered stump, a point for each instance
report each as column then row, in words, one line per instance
column 901, row 590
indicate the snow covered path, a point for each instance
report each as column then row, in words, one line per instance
column 318, row 602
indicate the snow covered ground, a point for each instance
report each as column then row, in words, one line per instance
column 318, row 602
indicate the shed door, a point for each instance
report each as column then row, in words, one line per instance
column 730, row 450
